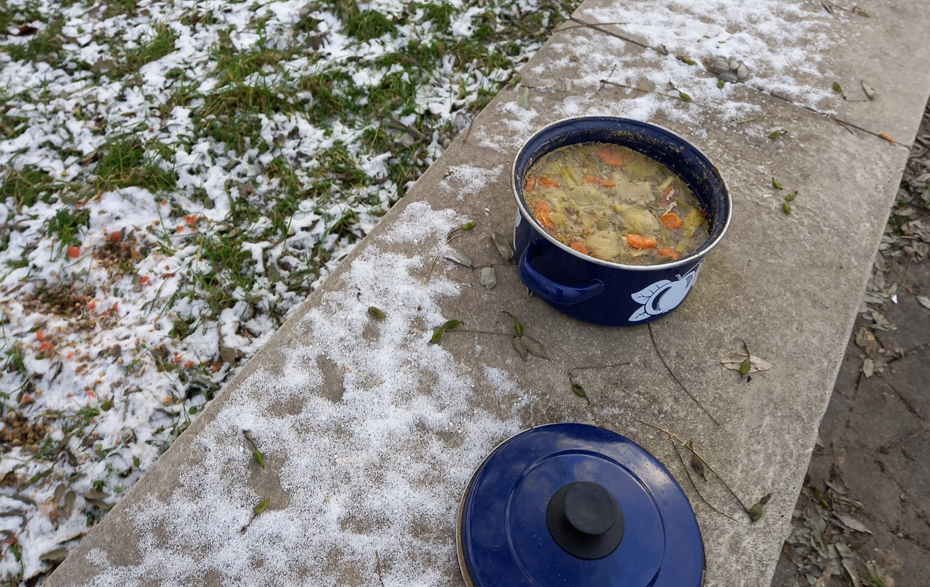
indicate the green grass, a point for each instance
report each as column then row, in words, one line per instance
column 68, row 224
column 160, row 45
column 44, row 46
column 439, row 12
column 12, row 126
column 246, row 99
column 366, row 25
column 25, row 186
column 124, row 162
column 239, row 132
column 120, row 7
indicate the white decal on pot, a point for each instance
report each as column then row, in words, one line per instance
column 663, row 296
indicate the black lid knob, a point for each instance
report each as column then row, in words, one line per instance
column 585, row 520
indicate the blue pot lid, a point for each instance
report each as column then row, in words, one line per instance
column 576, row 505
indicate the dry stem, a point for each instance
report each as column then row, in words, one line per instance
column 703, row 460
column 380, row 578
column 430, row 272
column 680, row 384
column 694, row 485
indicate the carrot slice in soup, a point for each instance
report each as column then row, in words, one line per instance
column 669, row 252
column 641, row 242
column 530, row 183
column 579, row 246
column 671, row 221
column 602, row 181
column 549, row 183
column 541, row 212
column 610, row 157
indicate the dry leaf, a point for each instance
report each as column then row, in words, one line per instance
column 851, row 522
column 924, row 301
column 869, row 91
column 518, row 345
column 457, row 256
column 868, row 367
column 734, row 361
column 55, row 556
column 850, row 567
column 534, row 347
column 503, row 246
column 488, row 277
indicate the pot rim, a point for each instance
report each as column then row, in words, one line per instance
column 686, row 260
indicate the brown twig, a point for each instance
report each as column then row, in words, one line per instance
column 703, row 460
column 450, row 239
column 481, row 332
column 680, row 384
column 597, row 27
column 619, row 85
column 694, row 485
column 749, row 120
column 250, row 439
column 380, row 578
column 627, row 364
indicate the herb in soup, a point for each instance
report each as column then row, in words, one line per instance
column 615, row 204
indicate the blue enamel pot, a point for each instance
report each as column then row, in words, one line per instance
column 601, row 292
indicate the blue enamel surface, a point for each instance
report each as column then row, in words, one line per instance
column 505, row 540
column 626, row 295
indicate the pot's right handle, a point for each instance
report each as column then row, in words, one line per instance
column 553, row 292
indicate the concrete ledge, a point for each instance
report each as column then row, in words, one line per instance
column 370, row 433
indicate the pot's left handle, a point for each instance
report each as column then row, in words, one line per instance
column 552, row 292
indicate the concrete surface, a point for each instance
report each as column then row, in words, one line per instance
column 869, row 461
column 789, row 286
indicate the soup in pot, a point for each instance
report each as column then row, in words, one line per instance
column 615, row 204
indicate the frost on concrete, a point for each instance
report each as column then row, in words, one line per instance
column 350, row 469
column 780, row 42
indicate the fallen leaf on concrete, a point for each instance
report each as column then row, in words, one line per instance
column 850, row 522
column 503, row 246
column 924, row 301
column 534, row 347
column 734, row 361
column 488, row 278
column 868, row 367
column 457, row 256
column 869, row 91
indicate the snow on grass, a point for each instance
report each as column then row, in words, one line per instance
column 344, row 466
column 175, row 178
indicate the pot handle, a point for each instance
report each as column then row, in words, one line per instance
column 553, row 292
